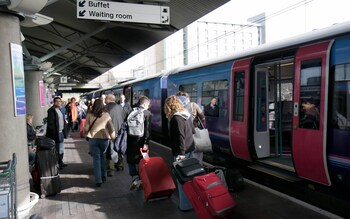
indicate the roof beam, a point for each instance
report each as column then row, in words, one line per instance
column 86, row 36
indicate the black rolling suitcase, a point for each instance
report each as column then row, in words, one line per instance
column 46, row 167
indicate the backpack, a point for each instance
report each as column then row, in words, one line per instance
column 135, row 121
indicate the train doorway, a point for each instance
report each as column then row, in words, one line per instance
column 274, row 113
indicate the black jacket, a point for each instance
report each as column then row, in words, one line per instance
column 134, row 143
column 181, row 134
column 52, row 130
column 31, row 133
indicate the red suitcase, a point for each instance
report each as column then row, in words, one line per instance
column 209, row 197
column 81, row 128
column 156, row 179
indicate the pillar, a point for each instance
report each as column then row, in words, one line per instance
column 33, row 101
column 13, row 135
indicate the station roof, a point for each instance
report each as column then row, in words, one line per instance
column 84, row 49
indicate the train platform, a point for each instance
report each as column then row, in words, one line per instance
column 80, row 198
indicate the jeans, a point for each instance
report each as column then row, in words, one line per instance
column 98, row 148
column 184, row 203
column 60, row 150
column 133, row 171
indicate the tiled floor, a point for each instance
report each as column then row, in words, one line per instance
column 80, row 198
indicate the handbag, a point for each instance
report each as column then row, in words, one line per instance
column 201, row 139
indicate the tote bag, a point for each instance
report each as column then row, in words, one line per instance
column 202, row 141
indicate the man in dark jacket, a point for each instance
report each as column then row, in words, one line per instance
column 133, row 155
column 212, row 108
column 117, row 114
column 126, row 106
column 54, row 130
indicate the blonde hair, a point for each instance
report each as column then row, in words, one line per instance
column 172, row 105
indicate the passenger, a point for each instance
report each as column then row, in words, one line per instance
column 197, row 117
column 117, row 114
column 54, row 129
column 126, row 106
column 103, row 98
column 212, row 108
column 72, row 114
column 99, row 130
column 31, row 135
column 311, row 118
column 134, row 143
column 181, row 138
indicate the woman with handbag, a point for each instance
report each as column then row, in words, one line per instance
column 181, row 138
column 99, row 130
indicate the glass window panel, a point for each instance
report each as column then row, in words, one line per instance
column 310, row 89
column 238, row 105
column 340, row 109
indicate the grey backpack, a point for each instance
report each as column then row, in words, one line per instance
column 135, row 121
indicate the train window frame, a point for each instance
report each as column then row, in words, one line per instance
column 191, row 90
column 238, row 96
column 209, row 90
column 309, row 116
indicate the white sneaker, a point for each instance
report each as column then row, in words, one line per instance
column 138, row 185
column 134, row 185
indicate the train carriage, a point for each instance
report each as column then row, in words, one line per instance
column 283, row 105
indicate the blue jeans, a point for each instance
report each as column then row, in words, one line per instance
column 184, row 203
column 98, row 148
column 60, row 149
column 133, row 171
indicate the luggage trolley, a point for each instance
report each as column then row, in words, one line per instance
column 8, row 193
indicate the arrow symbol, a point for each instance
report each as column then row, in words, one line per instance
column 82, row 3
column 82, row 13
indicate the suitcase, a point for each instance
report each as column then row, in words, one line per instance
column 81, row 128
column 46, row 165
column 156, row 178
column 209, row 197
column 185, row 170
column 45, row 143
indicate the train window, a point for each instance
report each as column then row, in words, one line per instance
column 238, row 105
column 310, row 90
column 138, row 93
column 219, row 90
column 191, row 89
column 341, row 97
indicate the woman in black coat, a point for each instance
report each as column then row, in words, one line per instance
column 181, row 138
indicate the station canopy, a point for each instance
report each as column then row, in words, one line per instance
column 83, row 49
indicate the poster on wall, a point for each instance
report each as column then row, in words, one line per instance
column 18, row 79
column 42, row 93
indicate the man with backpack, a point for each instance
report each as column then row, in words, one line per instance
column 139, row 131
column 117, row 115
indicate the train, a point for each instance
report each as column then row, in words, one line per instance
column 284, row 104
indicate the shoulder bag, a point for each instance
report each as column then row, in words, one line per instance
column 201, row 139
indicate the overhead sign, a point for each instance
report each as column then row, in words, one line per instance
column 63, row 79
column 123, row 12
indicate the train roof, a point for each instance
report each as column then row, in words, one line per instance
column 316, row 35
column 159, row 75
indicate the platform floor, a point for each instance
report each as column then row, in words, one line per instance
column 80, row 198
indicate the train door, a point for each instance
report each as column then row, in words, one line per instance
column 273, row 109
column 261, row 106
column 310, row 112
column 239, row 115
